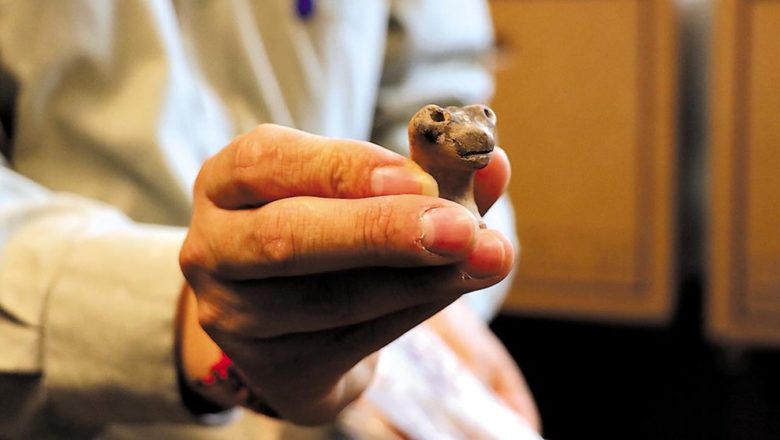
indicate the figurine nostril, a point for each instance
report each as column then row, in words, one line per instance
column 437, row 115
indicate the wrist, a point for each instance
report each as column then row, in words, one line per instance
column 209, row 381
column 196, row 355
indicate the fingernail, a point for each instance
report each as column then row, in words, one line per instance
column 488, row 257
column 448, row 231
column 391, row 180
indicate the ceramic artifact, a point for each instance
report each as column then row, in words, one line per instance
column 451, row 144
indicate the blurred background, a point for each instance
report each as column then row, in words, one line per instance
column 645, row 142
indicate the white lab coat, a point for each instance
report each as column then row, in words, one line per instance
column 120, row 101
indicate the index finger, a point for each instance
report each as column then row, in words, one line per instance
column 273, row 162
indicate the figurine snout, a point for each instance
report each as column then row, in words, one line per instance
column 476, row 142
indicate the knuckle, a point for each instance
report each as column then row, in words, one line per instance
column 218, row 317
column 265, row 130
column 252, row 152
column 340, row 174
column 193, row 258
column 200, row 185
column 225, row 311
column 379, row 227
column 210, row 317
column 274, row 239
column 278, row 251
column 254, row 141
column 246, row 154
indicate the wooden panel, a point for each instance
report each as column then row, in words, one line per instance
column 744, row 268
column 585, row 98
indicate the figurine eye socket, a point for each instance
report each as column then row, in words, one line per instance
column 488, row 113
column 437, row 115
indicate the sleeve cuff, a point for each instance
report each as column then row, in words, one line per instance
column 108, row 327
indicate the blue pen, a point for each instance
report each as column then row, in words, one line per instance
column 305, row 8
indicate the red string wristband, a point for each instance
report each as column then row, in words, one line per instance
column 225, row 380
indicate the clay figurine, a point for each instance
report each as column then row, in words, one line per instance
column 451, row 144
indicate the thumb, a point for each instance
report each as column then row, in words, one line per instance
column 491, row 182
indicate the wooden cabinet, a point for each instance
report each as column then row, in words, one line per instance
column 744, row 211
column 586, row 98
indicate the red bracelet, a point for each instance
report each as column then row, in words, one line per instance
column 224, row 375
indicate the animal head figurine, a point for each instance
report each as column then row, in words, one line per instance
column 451, row 144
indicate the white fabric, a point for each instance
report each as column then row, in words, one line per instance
column 120, row 102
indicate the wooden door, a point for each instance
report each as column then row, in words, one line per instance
column 586, row 98
column 744, row 211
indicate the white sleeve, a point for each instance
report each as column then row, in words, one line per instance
column 437, row 52
column 87, row 301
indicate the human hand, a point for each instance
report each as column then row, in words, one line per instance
column 308, row 254
column 484, row 354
